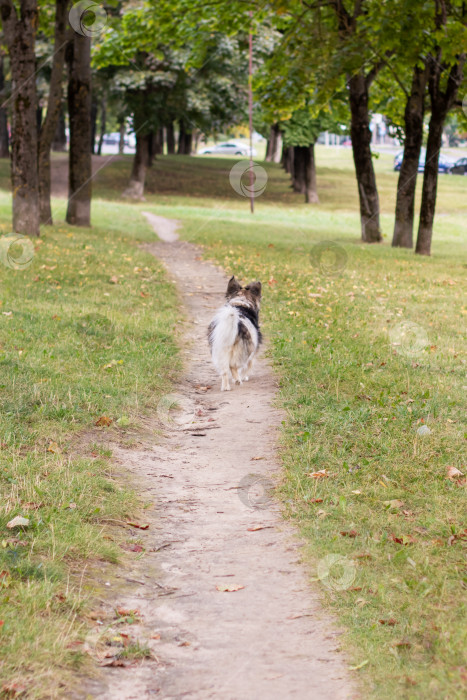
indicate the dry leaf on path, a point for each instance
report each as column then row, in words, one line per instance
column 229, row 587
column 254, row 528
column 145, row 526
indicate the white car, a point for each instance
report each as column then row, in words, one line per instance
column 229, row 148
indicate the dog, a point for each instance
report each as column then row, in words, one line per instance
column 234, row 334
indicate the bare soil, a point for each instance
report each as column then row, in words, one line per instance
column 214, row 525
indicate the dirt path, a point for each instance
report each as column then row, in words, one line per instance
column 269, row 639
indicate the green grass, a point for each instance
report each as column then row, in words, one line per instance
column 74, row 346
column 354, row 401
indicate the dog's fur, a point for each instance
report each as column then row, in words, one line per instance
column 234, row 334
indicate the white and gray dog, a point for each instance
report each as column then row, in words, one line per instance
column 234, row 334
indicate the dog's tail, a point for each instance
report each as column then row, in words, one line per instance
column 222, row 335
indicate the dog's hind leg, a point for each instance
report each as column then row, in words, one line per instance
column 225, row 385
column 236, row 375
column 247, row 368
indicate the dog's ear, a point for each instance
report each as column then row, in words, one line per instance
column 233, row 287
column 255, row 289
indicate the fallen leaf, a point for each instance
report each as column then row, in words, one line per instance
column 155, row 636
column 316, row 500
column 31, row 506
column 319, row 474
column 256, row 458
column 357, row 492
column 138, row 525
column 115, row 662
column 254, row 528
column 104, row 421
column 349, row 533
column 124, row 612
column 229, row 587
column 453, row 473
column 13, row 689
column 113, row 279
column 53, row 447
column 403, row 643
column 19, row 521
column 391, row 622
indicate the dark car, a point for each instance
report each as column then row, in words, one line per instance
column 460, row 167
column 444, row 164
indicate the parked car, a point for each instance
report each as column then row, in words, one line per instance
column 460, row 167
column 229, row 148
column 445, row 165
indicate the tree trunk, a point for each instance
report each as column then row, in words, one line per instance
column 441, row 103
column 430, row 184
column 4, row 138
column 121, row 142
column 20, row 37
column 405, row 203
column 276, row 144
column 287, row 159
column 103, row 125
column 181, row 138
column 141, row 162
column 94, row 113
column 185, row 140
column 299, row 169
column 361, row 140
column 79, row 109
column 54, row 104
column 59, row 140
column 170, row 138
column 311, row 190
column 267, row 157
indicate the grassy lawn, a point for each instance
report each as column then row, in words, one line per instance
column 87, row 330
column 80, row 340
column 369, row 351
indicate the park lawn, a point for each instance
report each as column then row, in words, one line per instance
column 86, row 331
column 355, row 390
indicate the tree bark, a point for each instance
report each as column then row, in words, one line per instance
column 185, row 140
column 170, row 138
column 54, row 104
column 79, row 109
column 267, row 157
column 311, row 190
column 141, row 163
column 103, row 125
column 276, row 143
column 59, row 140
column 121, row 142
column 287, row 159
column 361, row 140
column 299, row 169
column 441, row 103
column 413, row 119
column 20, row 37
column 94, row 113
column 4, row 137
